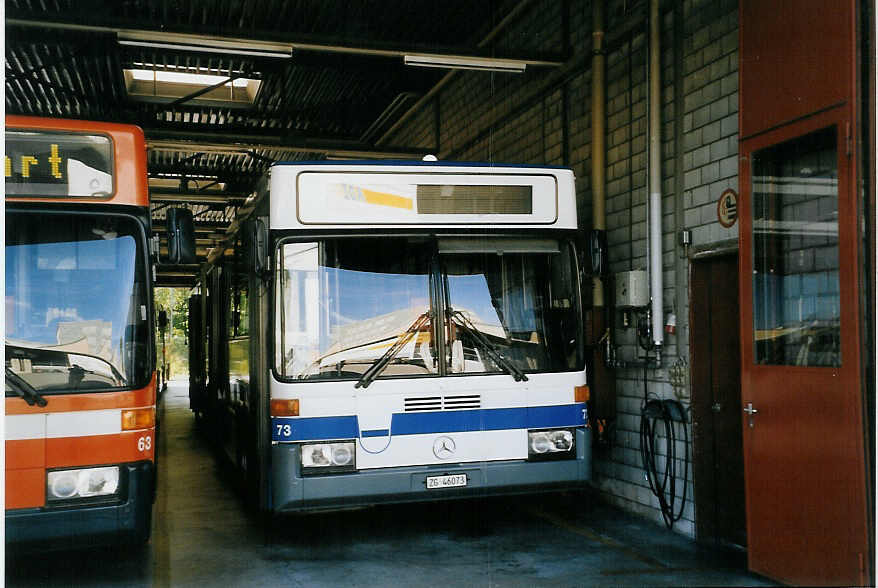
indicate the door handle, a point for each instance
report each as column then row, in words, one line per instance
column 750, row 412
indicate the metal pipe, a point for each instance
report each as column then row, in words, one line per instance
column 655, row 176
column 598, row 132
column 680, row 261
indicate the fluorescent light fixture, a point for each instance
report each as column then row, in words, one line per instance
column 473, row 63
column 202, row 44
column 160, row 86
column 179, row 77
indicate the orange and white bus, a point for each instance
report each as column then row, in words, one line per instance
column 80, row 353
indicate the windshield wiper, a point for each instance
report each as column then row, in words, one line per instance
column 23, row 389
column 370, row 374
column 493, row 352
column 75, row 371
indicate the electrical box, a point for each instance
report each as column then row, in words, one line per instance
column 632, row 289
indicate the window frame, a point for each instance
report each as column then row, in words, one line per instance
column 762, row 351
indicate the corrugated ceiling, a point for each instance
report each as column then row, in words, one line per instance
column 344, row 85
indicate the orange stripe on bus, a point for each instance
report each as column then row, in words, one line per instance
column 25, row 488
column 87, row 401
column 100, row 449
column 25, row 453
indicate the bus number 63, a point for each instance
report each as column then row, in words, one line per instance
column 144, row 443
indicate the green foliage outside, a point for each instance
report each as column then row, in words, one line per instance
column 174, row 301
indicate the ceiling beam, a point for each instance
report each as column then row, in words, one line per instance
column 177, row 275
column 201, row 253
column 217, row 232
column 331, row 46
column 206, row 198
column 198, row 242
column 234, row 143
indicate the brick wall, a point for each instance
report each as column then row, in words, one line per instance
column 514, row 118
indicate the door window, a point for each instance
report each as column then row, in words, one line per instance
column 796, row 302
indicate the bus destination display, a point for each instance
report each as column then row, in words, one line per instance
column 58, row 164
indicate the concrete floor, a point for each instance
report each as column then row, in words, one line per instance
column 203, row 537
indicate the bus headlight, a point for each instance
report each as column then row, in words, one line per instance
column 550, row 444
column 82, row 483
column 328, row 457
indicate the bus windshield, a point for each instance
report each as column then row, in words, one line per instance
column 345, row 304
column 77, row 313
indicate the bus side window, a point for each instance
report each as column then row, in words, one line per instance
column 562, row 281
column 238, row 342
column 239, row 314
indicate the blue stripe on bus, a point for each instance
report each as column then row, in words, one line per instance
column 452, row 421
column 419, row 423
column 314, row 428
column 497, row 419
column 564, row 415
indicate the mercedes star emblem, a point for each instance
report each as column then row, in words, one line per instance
column 443, row 447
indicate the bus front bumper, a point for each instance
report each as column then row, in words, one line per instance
column 128, row 518
column 292, row 492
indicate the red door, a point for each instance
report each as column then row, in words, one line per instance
column 801, row 384
column 801, row 387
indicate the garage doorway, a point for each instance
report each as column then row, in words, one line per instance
column 718, row 463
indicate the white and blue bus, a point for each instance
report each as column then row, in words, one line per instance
column 388, row 332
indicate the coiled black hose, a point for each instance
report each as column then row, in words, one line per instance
column 657, row 414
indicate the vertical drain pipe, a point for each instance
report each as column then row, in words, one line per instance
column 598, row 145
column 681, row 263
column 602, row 377
column 655, row 178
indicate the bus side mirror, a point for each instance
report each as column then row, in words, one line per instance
column 181, row 236
column 163, row 320
column 258, row 246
